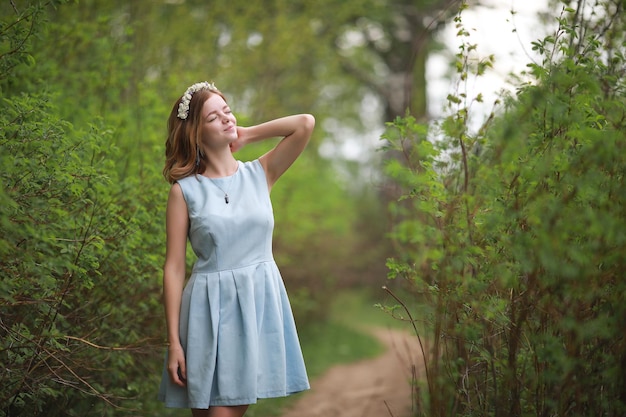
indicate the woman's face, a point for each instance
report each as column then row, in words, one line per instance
column 218, row 124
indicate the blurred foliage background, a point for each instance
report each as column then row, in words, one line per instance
column 507, row 242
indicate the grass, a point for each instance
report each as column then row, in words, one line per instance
column 359, row 309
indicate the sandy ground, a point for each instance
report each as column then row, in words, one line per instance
column 379, row 387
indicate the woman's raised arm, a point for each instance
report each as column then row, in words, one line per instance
column 295, row 130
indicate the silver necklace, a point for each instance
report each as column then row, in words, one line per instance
column 226, row 198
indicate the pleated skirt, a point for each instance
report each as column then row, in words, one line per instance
column 240, row 341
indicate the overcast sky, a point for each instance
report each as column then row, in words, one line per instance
column 495, row 30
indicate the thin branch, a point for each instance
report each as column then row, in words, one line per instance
column 123, row 348
column 413, row 321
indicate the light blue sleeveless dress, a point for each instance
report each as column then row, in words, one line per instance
column 236, row 323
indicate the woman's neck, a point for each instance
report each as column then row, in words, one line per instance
column 224, row 166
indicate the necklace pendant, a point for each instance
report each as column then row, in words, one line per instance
column 226, row 198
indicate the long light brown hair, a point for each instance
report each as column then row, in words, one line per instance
column 183, row 155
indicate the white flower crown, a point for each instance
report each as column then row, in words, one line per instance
column 183, row 107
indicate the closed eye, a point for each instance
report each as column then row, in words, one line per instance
column 212, row 116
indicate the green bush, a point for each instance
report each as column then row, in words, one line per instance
column 68, row 246
column 79, row 259
column 515, row 236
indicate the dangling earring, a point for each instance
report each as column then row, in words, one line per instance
column 198, row 158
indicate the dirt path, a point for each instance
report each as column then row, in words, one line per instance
column 378, row 387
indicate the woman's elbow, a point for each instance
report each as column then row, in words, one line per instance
column 308, row 122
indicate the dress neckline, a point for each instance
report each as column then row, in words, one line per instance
column 225, row 177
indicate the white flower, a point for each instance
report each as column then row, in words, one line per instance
column 183, row 107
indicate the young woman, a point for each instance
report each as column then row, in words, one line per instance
column 232, row 337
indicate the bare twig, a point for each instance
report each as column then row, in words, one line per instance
column 419, row 339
